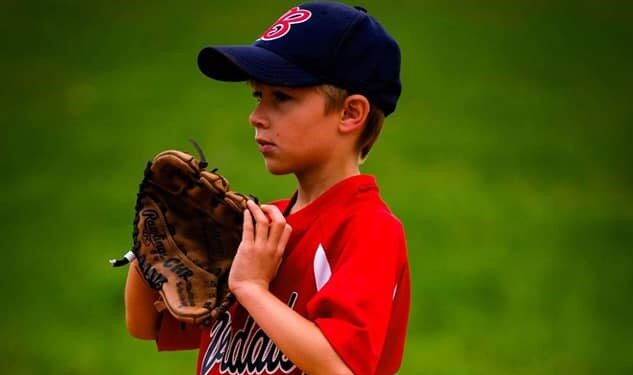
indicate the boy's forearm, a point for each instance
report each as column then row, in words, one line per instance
column 141, row 316
column 298, row 338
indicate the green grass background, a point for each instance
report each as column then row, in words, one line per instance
column 508, row 160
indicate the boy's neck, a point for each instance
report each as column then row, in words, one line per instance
column 312, row 185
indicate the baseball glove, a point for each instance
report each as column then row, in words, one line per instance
column 187, row 227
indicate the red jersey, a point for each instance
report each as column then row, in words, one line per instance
column 345, row 268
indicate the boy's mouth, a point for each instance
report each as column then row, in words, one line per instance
column 263, row 142
column 264, row 145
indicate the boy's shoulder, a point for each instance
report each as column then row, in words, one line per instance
column 374, row 215
column 364, row 211
column 367, row 228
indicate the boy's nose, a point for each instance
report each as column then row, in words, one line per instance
column 257, row 118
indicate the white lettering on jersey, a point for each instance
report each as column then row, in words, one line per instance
column 322, row 270
column 248, row 351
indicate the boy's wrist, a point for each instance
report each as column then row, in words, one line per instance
column 247, row 289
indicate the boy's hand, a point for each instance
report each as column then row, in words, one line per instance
column 264, row 238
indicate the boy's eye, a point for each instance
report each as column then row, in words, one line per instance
column 257, row 95
column 278, row 96
column 281, row 96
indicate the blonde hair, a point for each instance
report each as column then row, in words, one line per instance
column 335, row 99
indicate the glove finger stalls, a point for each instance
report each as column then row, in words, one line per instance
column 172, row 171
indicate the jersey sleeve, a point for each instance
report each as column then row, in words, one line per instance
column 354, row 308
column 175, row 335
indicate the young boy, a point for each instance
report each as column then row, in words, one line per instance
column 322, row 278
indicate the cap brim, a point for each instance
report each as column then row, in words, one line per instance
column 241, row 63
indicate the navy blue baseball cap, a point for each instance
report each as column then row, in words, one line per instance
column 316, row 43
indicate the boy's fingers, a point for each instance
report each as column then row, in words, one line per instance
column 283, row 240
column 277, row 222
column 261, row 222
column 273, row 213
column 257, row 212
column 247, row 228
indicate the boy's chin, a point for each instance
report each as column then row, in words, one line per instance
column 276, row 169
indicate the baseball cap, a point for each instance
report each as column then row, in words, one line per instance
column 316, row 43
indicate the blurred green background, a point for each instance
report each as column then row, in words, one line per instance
column 508, row 160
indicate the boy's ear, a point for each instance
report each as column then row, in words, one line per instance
column 354, row 114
